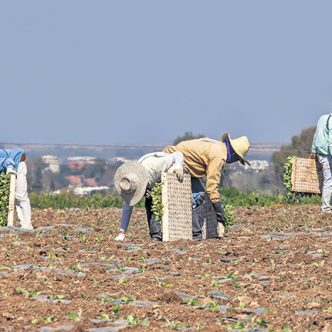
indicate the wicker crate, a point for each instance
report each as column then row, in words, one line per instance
column 177, row 208
column 306, row 176
column 208, row 220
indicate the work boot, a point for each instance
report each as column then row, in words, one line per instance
column 197, row 237
column 27, row 228
column 156, row 239
column 155, row 229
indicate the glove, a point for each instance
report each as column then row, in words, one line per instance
column 179, row 174
column 220, row 212
column 10, row 170
column 148, row 193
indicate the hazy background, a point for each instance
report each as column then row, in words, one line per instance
column 144, row 72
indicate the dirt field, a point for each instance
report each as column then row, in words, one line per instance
column 273, row 271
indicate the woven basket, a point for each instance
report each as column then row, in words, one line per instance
column 207, row 218
column 177, row 208
column 306, row 176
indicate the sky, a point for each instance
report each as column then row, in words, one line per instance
column 131, row 72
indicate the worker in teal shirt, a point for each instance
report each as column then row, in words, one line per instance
column 322, row 149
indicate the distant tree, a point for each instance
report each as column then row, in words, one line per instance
column 35, row 174
column 249, row 179
column 188, row 135
column 95, row 170
column 53, row 181
column 300, row 147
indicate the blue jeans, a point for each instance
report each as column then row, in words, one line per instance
column 196, row 187
column 326, row 163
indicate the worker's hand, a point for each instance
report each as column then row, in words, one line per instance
column 312, row 156
column 10, row 170
column 220, row 212
column 179, row 174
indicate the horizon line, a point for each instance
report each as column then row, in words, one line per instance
column 253, row 145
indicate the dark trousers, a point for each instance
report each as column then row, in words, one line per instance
column 197, row 229
column 154, row 225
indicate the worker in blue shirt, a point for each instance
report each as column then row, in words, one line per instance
column 12, row 161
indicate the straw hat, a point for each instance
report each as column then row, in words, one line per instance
column 240, row 145
column 130, row 181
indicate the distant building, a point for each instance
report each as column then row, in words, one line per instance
column 74, row 180
column 52, row 162
column 80, row 162
column 258, row 165
column 84, row 191
column 90, row 182
column 260, row 177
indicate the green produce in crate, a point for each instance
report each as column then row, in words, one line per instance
column 157, row 203
column 288, row 173
column 4, row 198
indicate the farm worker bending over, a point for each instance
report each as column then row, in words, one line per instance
column 206, row 157
column 13, row 161
column 134, row 179
column 322, row 149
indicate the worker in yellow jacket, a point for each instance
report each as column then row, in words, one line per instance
column 206, row 157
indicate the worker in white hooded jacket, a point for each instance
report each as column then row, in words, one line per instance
column 134, row 179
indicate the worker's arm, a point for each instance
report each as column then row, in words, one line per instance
column 213, row 179
column 329, row 137
column 124, row 223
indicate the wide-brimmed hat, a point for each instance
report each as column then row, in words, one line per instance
column 240, row 145
column 130, row 181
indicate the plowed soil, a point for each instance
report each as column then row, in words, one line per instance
column 273, row 271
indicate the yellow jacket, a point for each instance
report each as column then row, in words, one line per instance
column 203, row 156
